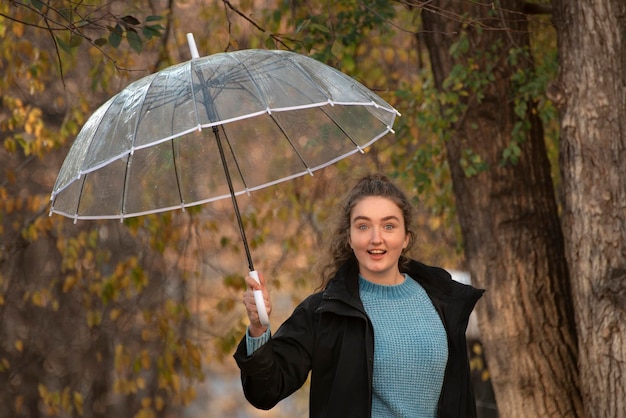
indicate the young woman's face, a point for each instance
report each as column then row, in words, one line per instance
column 378, row 236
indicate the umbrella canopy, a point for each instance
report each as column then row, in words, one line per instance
column 213, row 128
column 152, row 147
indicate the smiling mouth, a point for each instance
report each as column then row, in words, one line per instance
column 377, row 252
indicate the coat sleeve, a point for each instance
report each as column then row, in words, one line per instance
column 280, row 366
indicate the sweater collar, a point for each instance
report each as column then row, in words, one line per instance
column 437, row 282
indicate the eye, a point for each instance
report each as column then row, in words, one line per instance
column 362, row 227
column 389, row 227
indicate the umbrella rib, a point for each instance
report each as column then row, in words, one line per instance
column 311, row 80
column 216, row 115
column 363, row 91
column 261, row 97
column 193, row 94
column 237, row 166
column 332, row 99
column 304, row 163
column 82, row 187
column 132, row 149
column 125, row 186
column 175, row 156
column 177, row 173
column 341, row 129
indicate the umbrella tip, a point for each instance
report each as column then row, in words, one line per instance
column 192, row 46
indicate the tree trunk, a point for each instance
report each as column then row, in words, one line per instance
column 507, row 210
column 592, row 85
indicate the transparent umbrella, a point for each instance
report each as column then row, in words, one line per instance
column 213, row 128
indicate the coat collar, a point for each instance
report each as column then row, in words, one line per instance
column 445, row 292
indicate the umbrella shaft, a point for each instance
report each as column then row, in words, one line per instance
column 233, row 197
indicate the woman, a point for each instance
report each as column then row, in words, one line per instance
column 386, row 335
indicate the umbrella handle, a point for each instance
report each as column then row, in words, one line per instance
column 260, row 302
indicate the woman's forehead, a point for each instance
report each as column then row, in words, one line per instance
column 376, row 207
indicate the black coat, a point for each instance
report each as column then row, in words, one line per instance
column 330, row 335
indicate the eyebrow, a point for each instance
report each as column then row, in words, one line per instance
column 365, row 218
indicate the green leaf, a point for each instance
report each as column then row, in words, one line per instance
column 37, row 4
column 115, row 38
column 321, row 28
column 152, row 31
column 67, row 13
column 134, row 40
column 75, row 41
column 337, row 49
column 303, row 25
column 153, row 18
column 63, row 45
column 130, row 20
column 101, row 41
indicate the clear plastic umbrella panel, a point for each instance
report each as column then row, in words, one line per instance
column 213, row 128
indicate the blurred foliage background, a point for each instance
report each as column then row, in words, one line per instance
column 138, row 319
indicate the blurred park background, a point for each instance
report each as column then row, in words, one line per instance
column 140, row 318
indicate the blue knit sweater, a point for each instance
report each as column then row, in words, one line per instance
column 410, row 349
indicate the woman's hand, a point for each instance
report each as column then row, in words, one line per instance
column 256, row 328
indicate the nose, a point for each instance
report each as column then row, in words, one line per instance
column 376, row 237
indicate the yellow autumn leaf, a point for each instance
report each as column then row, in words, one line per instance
column 159, row 403
column 78, row 402
column 145, row 359
column 115, row 313
column 69, row 283
column 4, row 364
column 94, row 318
column 145, row 413
column 9, row 205
column 18, row 29
column 188, row 395
column 66, row 400
column 194, row 353
column 389, row 55
column 19, row 403
column 19, row 345
column 145, row 335
column 175, row 383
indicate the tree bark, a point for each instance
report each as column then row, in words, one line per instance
column 508, row 214
column 592, row 85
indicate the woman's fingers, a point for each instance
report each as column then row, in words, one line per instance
column 250, row 304
column 253, row 284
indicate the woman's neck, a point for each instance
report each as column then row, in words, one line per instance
column 389, row 279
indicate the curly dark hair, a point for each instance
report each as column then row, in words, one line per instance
column 339, row 250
